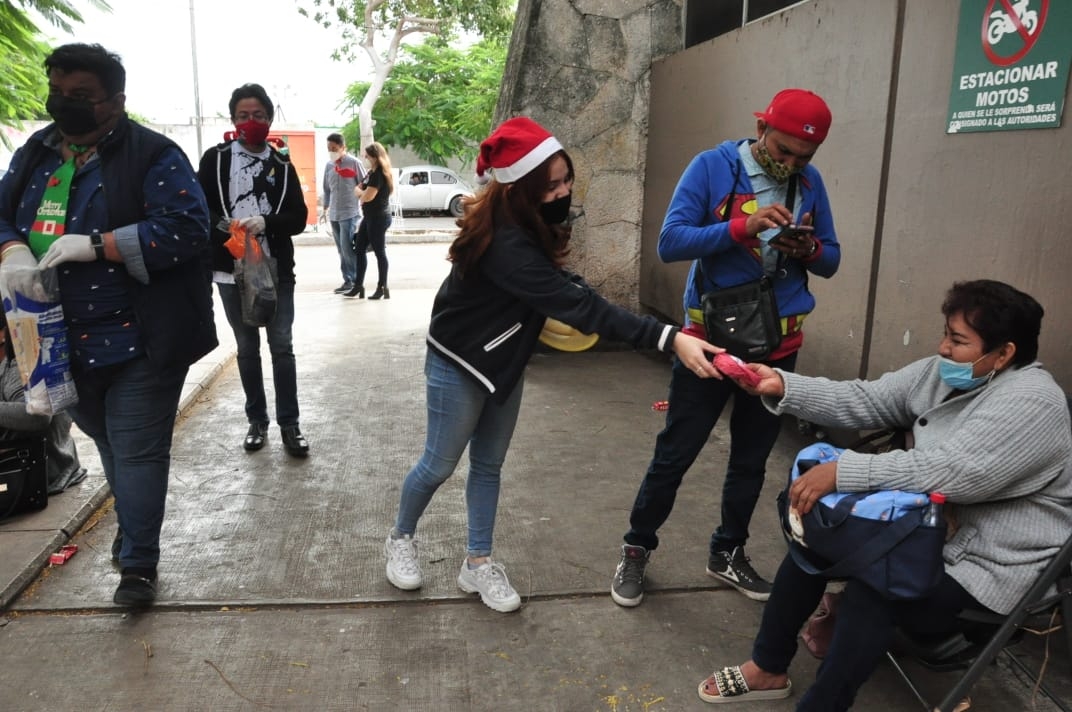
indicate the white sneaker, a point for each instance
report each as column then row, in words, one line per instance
column 403, row 570
column 489, row 580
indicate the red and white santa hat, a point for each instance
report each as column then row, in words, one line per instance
column 512, row 150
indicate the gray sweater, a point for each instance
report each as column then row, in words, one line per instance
column 1002, row 455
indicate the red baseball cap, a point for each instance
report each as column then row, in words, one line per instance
column 799, row 113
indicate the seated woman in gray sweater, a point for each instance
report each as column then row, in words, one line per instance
column 991, row 432
column 61, row 461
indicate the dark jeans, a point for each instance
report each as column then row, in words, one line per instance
column 695, row 406
column 129, row 411
column 281, row 347
column 862, row 632
column 372, row 232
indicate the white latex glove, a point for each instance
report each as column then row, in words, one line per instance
column 18, row 255
column 69, row 248
column 18, row 271
column 254, row 224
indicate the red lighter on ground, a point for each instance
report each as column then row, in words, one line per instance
column 60, row 557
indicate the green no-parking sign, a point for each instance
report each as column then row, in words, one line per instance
column 1011, row 65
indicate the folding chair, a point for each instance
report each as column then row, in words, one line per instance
column 958, row 652
column 398, row 220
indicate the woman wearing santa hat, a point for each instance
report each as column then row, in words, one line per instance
column 507, row 278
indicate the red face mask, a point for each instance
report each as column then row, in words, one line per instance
column 252, row 132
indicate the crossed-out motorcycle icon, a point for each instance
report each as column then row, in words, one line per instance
column 1002, row 24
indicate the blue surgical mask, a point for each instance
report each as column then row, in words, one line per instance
column 959, row 375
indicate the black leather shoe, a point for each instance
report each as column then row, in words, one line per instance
column 137, row 588
column 346, row 287
column 294, row 441
column 255, row 437
column 355, row 291
column 381, row 291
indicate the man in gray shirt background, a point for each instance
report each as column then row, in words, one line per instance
column 341, row 175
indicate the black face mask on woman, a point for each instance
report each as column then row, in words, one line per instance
column 556, row 211
column 75, row 117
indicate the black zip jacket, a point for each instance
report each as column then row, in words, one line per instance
column 488, row 322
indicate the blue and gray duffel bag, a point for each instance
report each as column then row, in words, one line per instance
column 878, row 538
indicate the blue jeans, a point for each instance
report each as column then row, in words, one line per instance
column 281, row 347
column 343, row 231
column 863, row 630
column 460, row 413
column 372, row 232
column 695, row 406
column 129, row 411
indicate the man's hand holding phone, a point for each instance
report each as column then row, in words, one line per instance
column 795, row 240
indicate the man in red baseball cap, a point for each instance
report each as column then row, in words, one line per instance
column 729, row 204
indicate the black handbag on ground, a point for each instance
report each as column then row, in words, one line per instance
column 23, row 477
column 744, row 318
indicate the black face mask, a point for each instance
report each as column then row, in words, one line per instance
column 75, row 117
column 556, row 211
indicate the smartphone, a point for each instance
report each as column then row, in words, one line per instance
column 790, row 234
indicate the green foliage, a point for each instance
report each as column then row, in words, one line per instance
column 134, row 116
column 491, row 19
column 439, row 100
column 24, row 86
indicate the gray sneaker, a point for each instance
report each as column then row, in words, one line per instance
column 403, row 569
column 734, row 568
column 628, row 587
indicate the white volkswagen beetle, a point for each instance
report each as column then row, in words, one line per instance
column 431, row 189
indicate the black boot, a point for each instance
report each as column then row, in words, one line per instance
column 255, row 437
column 356, row 291
column 137, row 587
column 381, row 291
column 293, row 440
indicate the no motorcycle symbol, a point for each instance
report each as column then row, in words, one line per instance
column 1012, row 25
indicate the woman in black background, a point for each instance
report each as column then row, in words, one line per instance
column 375, row 195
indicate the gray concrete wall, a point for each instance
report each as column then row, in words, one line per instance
column 581, row 68
column 945, row 208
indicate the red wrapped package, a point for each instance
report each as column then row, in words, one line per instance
column 734, row 368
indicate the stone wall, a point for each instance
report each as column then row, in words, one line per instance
column 581, row 68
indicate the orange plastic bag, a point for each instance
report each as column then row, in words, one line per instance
column 236, row 243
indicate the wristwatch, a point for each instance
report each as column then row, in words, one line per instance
column 814, row 247
column 97, row 240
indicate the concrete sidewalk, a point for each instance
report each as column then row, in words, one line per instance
column 273, row 592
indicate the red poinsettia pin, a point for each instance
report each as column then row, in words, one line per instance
column 53, row 182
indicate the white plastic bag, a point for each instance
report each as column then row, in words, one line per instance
column 38, row 335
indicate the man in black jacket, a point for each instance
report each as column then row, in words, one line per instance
column 249, row 179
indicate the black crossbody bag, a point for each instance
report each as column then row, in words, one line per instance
column 743, row 319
